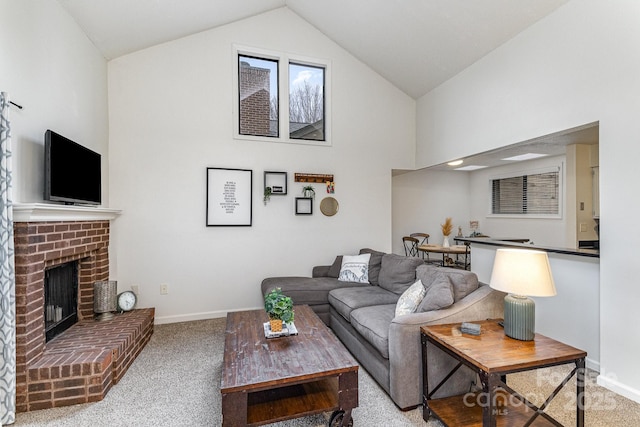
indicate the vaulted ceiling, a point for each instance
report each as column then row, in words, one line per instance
column 415, row 44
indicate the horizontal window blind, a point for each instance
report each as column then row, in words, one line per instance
column 535, row 194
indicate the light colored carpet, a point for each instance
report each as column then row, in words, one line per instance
column 175, row 382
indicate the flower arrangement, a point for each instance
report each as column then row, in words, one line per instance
column 447, row 227
column 279, row 307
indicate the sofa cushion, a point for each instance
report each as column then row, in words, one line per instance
column 428, row 273
column 410, row 299
column 438, row 295
column 345, row 300
column 355, row 268
column 463, row 281
column 306, row 290
column 373, row 324
column 375, row 263
column 398, row 272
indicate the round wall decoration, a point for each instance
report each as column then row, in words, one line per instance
column 329, row 206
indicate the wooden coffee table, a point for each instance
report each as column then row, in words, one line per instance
column 269, row 380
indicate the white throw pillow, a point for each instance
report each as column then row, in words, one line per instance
column 355, row 268
column 410, row 299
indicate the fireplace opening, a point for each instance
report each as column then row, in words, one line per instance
column 60, row 298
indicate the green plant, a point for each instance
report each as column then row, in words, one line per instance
column 279, row 306
column 308, row 191
column 267, row 195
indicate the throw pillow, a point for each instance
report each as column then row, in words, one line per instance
column 375, row 263
column 439, row 295
column 410, row 299
column 398, row 272
column 355, row 268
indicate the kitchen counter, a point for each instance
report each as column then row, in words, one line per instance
column 594, row 253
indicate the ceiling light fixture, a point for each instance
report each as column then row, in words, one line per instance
column 522, row 157
column 455, row 163
column 470, row 168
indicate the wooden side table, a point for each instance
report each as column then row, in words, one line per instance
column 493, row 355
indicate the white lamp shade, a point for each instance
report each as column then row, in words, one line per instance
column 522, row 272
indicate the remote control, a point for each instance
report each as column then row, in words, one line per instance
column 470, row 328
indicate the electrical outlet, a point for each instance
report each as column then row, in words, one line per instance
column 164, row 289
column 583, row 227
column 135, row 289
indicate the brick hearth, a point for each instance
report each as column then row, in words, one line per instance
column 82, row 363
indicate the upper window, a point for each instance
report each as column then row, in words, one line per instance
column 306, row 102
column 284, row 103
column 258, row 88
column 530, row 194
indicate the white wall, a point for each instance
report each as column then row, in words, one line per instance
column 423, row 199
column 541, row 231
column 563, row 316
column 51, row 68
column 170, row 109
column 579, row 65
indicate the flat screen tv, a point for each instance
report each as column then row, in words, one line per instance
column 72, row 172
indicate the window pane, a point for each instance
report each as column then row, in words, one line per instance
column 508, row 195
column 258, row 80
column 536, row 194
column 542, row 193
column 306, row 102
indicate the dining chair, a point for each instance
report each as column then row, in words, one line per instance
column 423, row 239
column 410, row 246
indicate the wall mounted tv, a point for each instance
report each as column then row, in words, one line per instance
column 72, row 172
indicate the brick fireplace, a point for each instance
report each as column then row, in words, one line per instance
column 81, row 364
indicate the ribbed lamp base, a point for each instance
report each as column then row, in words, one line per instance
column 519, row 317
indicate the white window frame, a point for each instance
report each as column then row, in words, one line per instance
column 283, row 95
column 557, row 168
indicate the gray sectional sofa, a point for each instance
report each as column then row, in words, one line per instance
column 388, row 346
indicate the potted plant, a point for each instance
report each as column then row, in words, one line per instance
column 267, row 195
column 279, row 307
column 308, row 191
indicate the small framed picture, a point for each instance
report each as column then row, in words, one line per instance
column 277, row 181
column 304, row 206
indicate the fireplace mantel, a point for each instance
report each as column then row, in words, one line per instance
column 31, row 212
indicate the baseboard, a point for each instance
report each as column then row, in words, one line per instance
column 593, row 365
column 178, row 318
column 619, row 388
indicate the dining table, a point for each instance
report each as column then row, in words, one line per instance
column 447, row 251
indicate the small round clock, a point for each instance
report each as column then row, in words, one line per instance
column 126, row 301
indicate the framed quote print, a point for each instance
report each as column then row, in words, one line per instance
column 229, row 197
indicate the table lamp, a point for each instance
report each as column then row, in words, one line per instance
column 521, row 273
